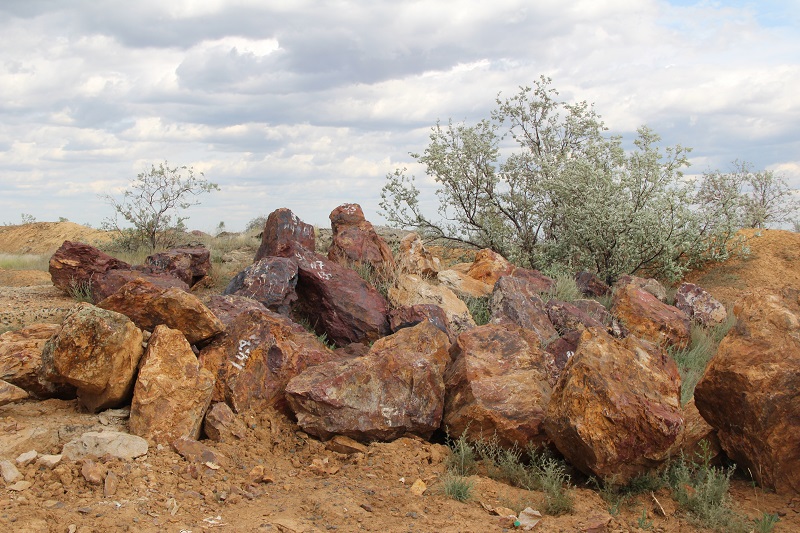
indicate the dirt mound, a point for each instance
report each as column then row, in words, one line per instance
column 46, row 237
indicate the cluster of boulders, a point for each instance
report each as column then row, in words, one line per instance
column 595, row 384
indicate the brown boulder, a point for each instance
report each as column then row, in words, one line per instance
column 21, row 358
column 568, row 317
column 97, row 351
column 614, row 412
column 282, row 231
column 463, row 284
column 563, row 348
column 190, row 264
column 499, row 385
column 489, row 266
column 590, row 285
column 149, row 306
column 355, row 240
column 172, row 391
column 396, row 389
column 411, row 315
column 75, row 264
column 412, row 290
column 516, row 301
column 271, row 281
column 11, row 393
column 751, row 389
column 538, row 282
column 228, row 307
column 594, row 309
column 650, row 319
column 700, row 305
column 413, row 258
column 107, row 284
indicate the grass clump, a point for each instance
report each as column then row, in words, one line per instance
column 382, row 278
column 618, row 496
column 81, row 291
column 478, row 308
column 461, row 460
column 765, row 523
column 565, row 288
column 25, row 262
column 457, row 487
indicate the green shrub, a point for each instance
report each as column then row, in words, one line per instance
column 461, row 460
column 479, row 308
column 457, row 487
column 81, row 291
column 565, row 289
column 766, row 522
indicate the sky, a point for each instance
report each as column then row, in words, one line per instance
column 308, row 105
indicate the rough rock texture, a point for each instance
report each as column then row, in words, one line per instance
column 257, row 355
column 538, row 282
column 190, row 264
column 102, row 443
column 283, row 230
column 411, row 315
column 489, row 266
column 567, row 317
column 563, row 348
column 516, row 301
column 700, row 305
column 355, row 240
column 413, row 290
column 395, row 390
column 337, row 301
column 650, row 319
column 228, row 307
column 97, row 351
column 21, row 358
column 270, row 281
column 499, row 384
column 594, row 309
column 107, row 284
column 413, row 258
column 11, row 393
column 614, row 412
column 590, row 285
column 695, row 431
column 148, row 306
column 172, row 391
column 751, row 390
column 221, row 424
column 77, row 263
column 463, row 284
column 653, row 286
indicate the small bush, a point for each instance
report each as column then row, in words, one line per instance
column 766, row 523
column 457, row 487
column 478, row 308
column 461, row 461
column 81, row 291
column 565, row 289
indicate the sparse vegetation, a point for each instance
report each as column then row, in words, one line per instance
column 25, row 262
column 461, row 460
column 766, row 522
column 457, row 487
column 565, row 288
column 479, row 308
column 381, row 278
column 81, row 291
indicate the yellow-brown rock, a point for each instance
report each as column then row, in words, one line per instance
column 412, row 290
column 650, row 319
column 489, row 266
column 21, row 358
column 463, row 284
column 356, row 241
column 414, row 258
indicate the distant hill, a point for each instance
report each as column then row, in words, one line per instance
column 46, row 237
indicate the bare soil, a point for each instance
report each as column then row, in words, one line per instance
column 305, row 486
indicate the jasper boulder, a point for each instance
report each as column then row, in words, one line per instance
column 648, row 318
column 700, row 305
column 489, row 266
column 110, row 282
column 172, row 391
column 414, row 258
column 227, row 307
column 355, row 240
column 409, row 316
column 396, row 389
column 412, row 290
column 75, row 264
column 499, row 384
column 270, row 281
column 614, row 412
column 750, row 392
column 464, row 285
column 188, row 264
column 516, row 301
column 97, row 351
column 21, row 358
column 568, row 317
column 284, row 230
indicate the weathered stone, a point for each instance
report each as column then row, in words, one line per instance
column 411, row 315
column 489, row 266
column 345, row 445
column 49, row 461
column 221, row 424
column 77, row 264
column 172, row 391
column 653, row 286
column 190, row 264
column 413, row 258
column 149, row 306
column 537, row 282
column 11, row 393
column 516, row 301
column 110, row 484
column 255, row 358
column 650, row 319
column 355, row 240
column 197, row 452
column 590, row 285
column 594, row 309
column 567, row 317
column 270, row 281
column 109, row 283
column 24, row 459
column 463, row 284
column 563, row 348
column 228, row 307
column 21, row 358
column 97, row 351
column 499, row 385
column 700, row 305
column 9, row 472
column 412, row 290
column 93, row 473
column 696, row 431
column 282, row 231
column 750, row 392
column 614, row 412
column 99, row 444
column 396, row 389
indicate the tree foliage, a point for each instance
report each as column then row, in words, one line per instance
column 154, row 202
column 541, row 184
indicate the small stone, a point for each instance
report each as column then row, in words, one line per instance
column 19, row 486
column 92, row 472
column 24, row 459
column 110, row 485
column 98, row 444
column 345, row 445
column 49, row 461
column 258, row 475
column 9, row 472
column 418, row 488
column 367, row 507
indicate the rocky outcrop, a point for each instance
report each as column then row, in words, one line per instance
column 270, row 281
column 615, row 412
column 516, row 301
column 413, row 258
column 107, row 284
column 700, row 305
column 96, row 351
column 750, row 392
column 21, row 358
column 188, row 264
column 172, row 391
column 76, row 264
column 647, row 317
column 499, row 385
column 283, row 230
column 412, row 290
column 355, row 240
column 396, row 389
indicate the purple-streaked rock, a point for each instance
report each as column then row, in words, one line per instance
column 221, row 424
column 283, row 231
column 107, row 284
column 411, row 315
column 651, row 285
column 270, row 281
column 563, row 348
column 615, row 411
column 355, row 240
column 594, row 309
column 75, row 264
column 590, row 285
column 189, row 264
column 395, row 390
column 750, row 392
column 228, row 307
column 412, row 290
column 516, row 301
column 700, row 305
column 499, row 385
column 538, row 282
column 97, row 351
column 21, row 358
column 149, row 306
column 567, row 317
column 650, row 319
column 414, row 258
column 172, row 390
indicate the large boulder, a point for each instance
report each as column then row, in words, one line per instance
column 412, row 290
column 411, row 315
column 750, row 392
column 614, row 412
column 188, row 264
column 396, row 389
column 21, row 358
column 97, row 351
column 464, row 285
column 149, row 306
column 75, row 265
column 489, row 266
column 499, row 384
column 172, row 391
column 110, row 282
column 700, row 305
column 271, row 281
column 257, row 355
column 355, row 240
column 414, row 258
column 590, row 285
column 516, row 300
column 228, row 307
column 283, row 230
column 568, row 317
column 648, row 318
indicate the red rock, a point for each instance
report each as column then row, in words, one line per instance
column 499, row 384
column 463, row 284
column 408, row 316
column 413, row 258
column 650, row 319
column 489, row 266
column 75, row 263
column 538, row 282
column 21, row 358
column 700, row 305
column 190, row 264
column 283, row 230
column 414, row 290
column 221, row 424
column 516, row 301
column 172, row 391
column 395, row 390
column 590, row 285
column 567, row 317
column 653, row 286
column 749, row 393
column 355, row 240
column 107, row 284
column 270, row 281
column 614, row 412
column 594, row 309
column 563, row 348
column 228, row 307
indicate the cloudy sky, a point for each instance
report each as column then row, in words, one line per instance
column 311, row 105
